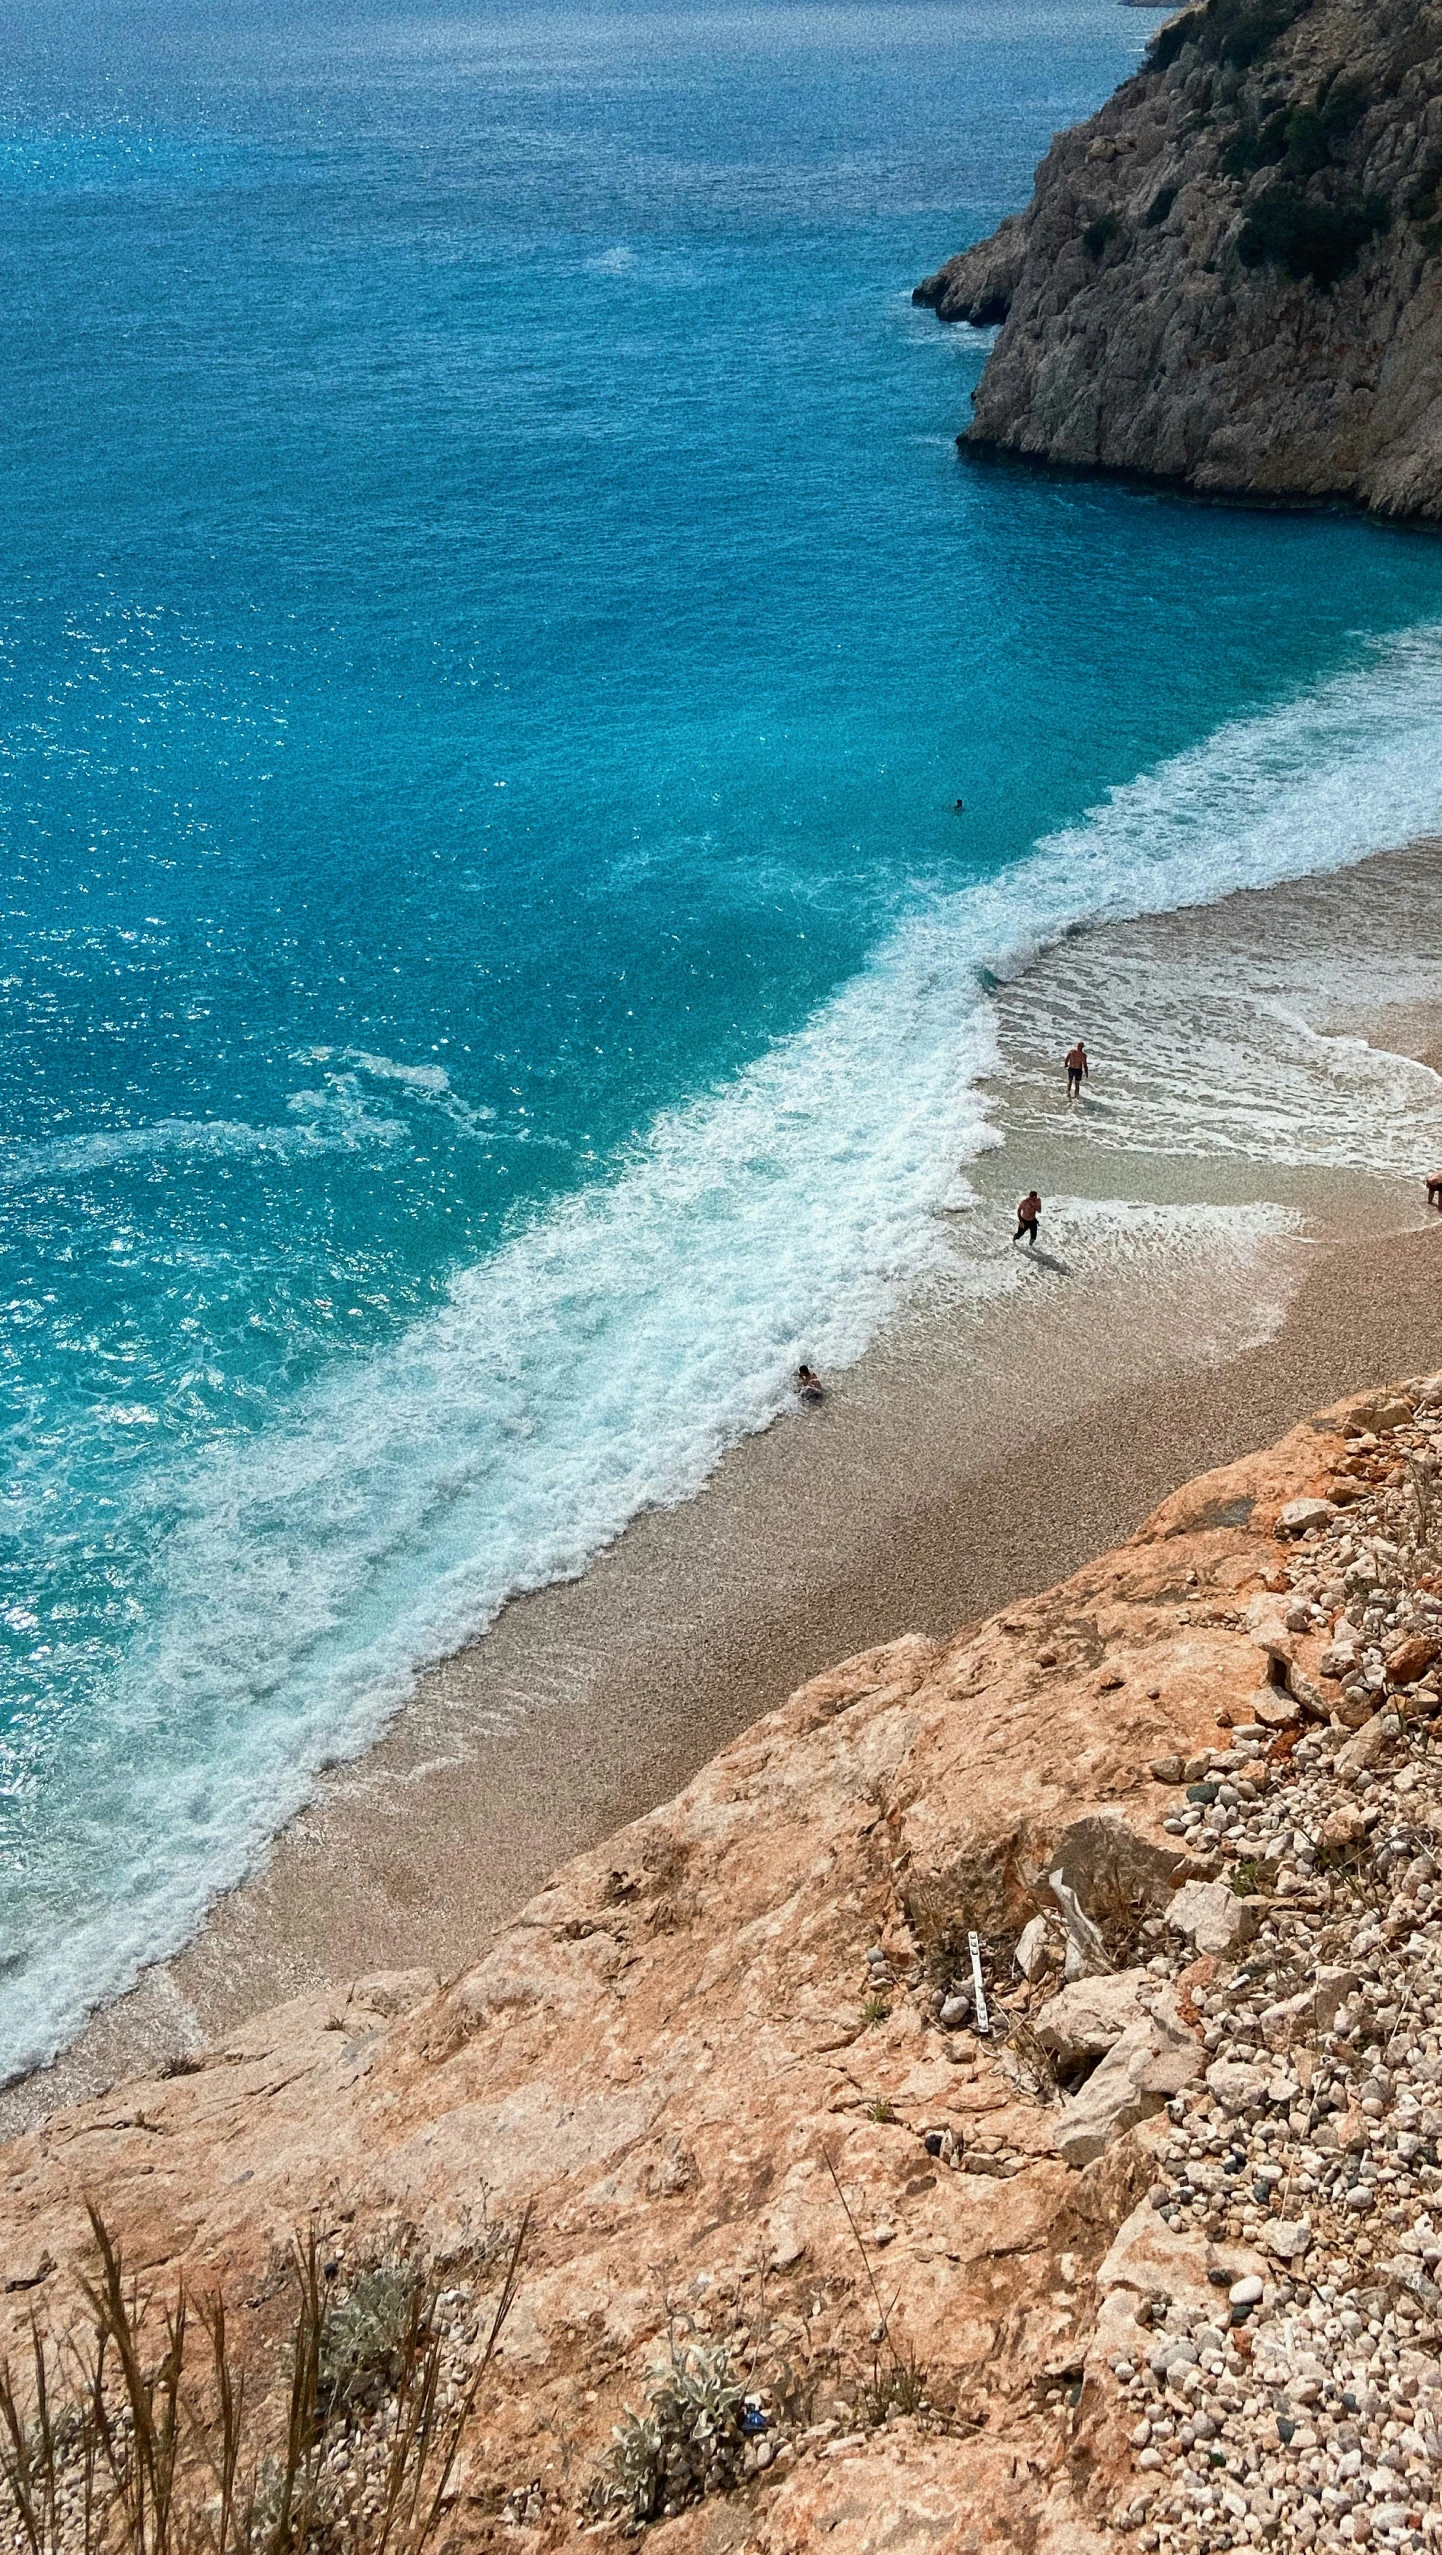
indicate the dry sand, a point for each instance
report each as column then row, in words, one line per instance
column 970, row 1457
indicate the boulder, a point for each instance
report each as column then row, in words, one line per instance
column 1369, row 1744
column 1033, row 1950
column 1087, row 2019
column 1368, row 1418
column 1299, row 2018
column 1139, row 2074
column 1236, row 2082
column 1211, row 1916
column 1101, row 1852
column 1311, row 1698
column 1270, row 1632
column 1274, row 1710
column 1346, row 1828
column 1300, row 1515
column 1412, row 1658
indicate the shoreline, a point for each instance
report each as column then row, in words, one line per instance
column 998, row 1449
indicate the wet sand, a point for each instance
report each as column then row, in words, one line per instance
column 977, row 1452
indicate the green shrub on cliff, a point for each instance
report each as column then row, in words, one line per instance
column 1256, row 146
column 1099, row 234
column 1303, row 139
column 1317, row 241
column 1234, row 32
column 1341, row 105
column 1239, row 32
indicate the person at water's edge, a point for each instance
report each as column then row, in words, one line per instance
column 1026, row 1218
column 1077, row 1070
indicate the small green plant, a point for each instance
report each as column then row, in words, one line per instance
column 896, row 2383
column 895, row 2386
column 1098, row 235
column 881, row 2109
column 875, row 2010
column 687, row 2443
column 363, row 2336
column 1247, row 1877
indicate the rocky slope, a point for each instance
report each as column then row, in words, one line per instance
column 1148, row 2255
column 1231, row 278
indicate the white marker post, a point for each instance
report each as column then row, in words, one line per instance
column 983, row 2023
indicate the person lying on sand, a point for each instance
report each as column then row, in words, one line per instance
column 809, row 1384
column 1026, row 1218
column 1077, row 1069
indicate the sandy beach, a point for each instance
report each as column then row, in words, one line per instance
column 1009, row 1426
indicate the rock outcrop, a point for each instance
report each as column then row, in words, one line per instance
column 727, row 2064
column 1231, row 277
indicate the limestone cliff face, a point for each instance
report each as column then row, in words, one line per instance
column 1231, row 278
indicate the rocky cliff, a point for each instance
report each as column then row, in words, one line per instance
column 913, row 2276
column 1231, row 278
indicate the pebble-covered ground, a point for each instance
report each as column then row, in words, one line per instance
column 1304, row 2405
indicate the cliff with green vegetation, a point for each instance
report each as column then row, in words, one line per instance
column 1231, row 278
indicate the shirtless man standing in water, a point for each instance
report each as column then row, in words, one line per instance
column 1026, row 1218
column 1077, row 1071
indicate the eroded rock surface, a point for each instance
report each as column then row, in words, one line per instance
column 1231, row 278
column 712, row 2059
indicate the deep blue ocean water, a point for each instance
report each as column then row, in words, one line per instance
column 492, row 626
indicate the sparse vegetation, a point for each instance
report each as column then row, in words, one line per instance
column 1159, row 207
column 1238, row 32
column 895, row 2383
column 1099, row 234
column 690, row 2440
column 145, row 2434
column 1317, row 240
column 364, row 2335
column 1256, row 146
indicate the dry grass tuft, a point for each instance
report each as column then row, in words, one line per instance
column 141, row 2435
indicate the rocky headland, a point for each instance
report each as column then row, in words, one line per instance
column 1231, row 277
column 805, row 2243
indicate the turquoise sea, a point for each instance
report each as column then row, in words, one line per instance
column 492, row 628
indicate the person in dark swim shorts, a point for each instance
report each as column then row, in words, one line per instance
column 1026, row 1218
column 1077, row 1070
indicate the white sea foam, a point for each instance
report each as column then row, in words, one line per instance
column 603, row 1359
column 334, row 1120
column 424, row 1082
